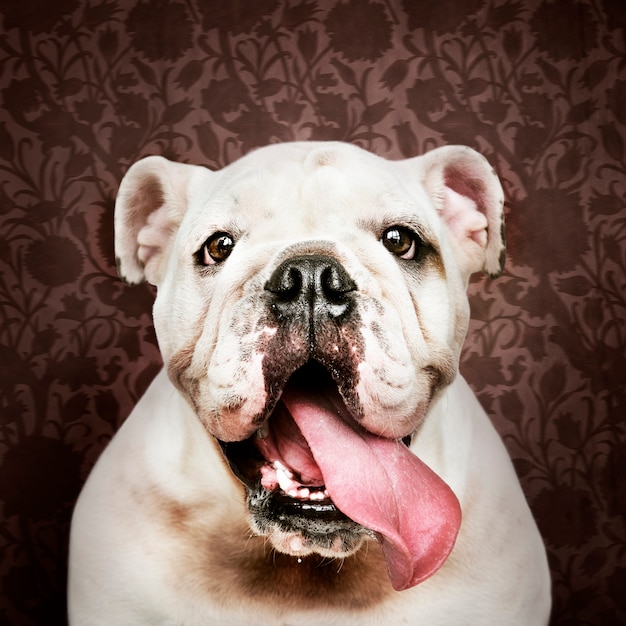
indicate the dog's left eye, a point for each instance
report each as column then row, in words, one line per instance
column 216, row 249
column 402, row 242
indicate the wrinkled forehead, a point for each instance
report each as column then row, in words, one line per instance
column 310, row 189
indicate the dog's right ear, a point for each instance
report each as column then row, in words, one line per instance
column 151, row 202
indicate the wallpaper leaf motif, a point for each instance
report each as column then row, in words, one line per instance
column 538, row 86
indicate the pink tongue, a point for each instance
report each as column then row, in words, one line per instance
column 381, row 485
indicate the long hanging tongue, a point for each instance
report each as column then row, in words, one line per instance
column 383, row 487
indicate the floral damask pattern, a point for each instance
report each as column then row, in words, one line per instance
column 538, row 86
column 359, row 30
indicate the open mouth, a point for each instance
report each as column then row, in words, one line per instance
column 312, row 469
column 278, row 459
column 286, row 486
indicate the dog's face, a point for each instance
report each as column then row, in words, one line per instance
column 311, row 304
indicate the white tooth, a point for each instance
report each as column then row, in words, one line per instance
column 304, row 493
column 317, row 495
column 280, row 468
column 284, row 481
column 292, row 493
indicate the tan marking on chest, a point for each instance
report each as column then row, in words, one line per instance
column 249, row 568
column 214, row 553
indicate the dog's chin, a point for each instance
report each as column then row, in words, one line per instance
column 301, row 528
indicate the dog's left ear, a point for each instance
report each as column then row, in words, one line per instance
column 151, row 202
column 468, row 195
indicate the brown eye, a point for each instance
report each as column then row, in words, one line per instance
column 216, row 249
column 402, row 242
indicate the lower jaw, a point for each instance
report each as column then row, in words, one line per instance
column 301, row 529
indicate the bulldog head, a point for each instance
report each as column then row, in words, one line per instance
column 311, row 304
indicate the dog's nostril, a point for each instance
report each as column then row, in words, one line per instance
column 289, row 284
column 335, row 283
column 310, row 284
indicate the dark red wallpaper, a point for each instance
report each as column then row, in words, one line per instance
column 538, row 86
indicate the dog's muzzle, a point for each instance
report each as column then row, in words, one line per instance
column 317, row 480
column 311, row 299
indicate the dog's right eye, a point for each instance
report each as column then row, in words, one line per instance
column 216, row 248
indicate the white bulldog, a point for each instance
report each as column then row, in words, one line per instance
column 310, row 454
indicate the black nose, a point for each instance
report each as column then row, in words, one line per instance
column 310, row 288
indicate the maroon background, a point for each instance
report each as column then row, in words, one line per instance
column 538, row 86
